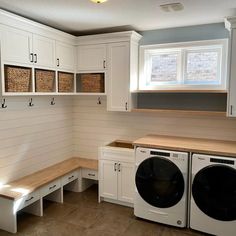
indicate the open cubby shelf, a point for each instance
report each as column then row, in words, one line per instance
column 90, row 83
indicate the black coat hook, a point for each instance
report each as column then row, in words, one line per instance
column 99, row 101
column 4, row 103
column 31, row 102
column 53, row 102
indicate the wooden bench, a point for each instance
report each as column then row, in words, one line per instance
column 27, row 193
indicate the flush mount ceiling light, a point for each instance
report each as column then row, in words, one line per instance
column 172, row 7
column 98, row 1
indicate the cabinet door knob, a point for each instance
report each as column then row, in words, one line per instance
column 29, row 199
column 91, row 175
column 52, row 187
column 35, row 58
column 70, row 177
column 231, row 110
column 115, row 167
column 31, row 57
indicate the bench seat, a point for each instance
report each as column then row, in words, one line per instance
column 23, row 186
column 27, row 193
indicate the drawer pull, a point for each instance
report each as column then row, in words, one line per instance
column 91, row 174
column 52, row 187
column 29, row 199
column 71, row 177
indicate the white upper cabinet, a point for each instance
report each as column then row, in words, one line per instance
column 118, row 76
column 44, row 51
column 122, row 73
column 231, row 26
column 65, row 56
column 16, row 46
column 91, row 57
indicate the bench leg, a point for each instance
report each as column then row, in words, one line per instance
column 8, row 217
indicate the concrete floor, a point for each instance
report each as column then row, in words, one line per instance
column 82, row 215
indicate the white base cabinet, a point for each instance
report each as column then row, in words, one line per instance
column 116, row 174
column 108, row 181
column 126, row 183
column 116, row 180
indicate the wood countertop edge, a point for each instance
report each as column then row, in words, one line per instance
column 179, row 149
column 77, row 166
column 194, row 145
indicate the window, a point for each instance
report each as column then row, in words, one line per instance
column 191, row 65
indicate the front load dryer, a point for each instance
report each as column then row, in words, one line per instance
column 213, row 195
column 161, row 180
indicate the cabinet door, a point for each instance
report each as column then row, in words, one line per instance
column 65, row 56
column 44, row 51
column 232, row 80
column 108, row 179
column 92, row 57
column 16, row 46
column 118, row 77
column 126, row 185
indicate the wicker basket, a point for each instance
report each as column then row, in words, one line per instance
column 17, row 79
column 44, row 81
column 65, row 82
column 92, row 83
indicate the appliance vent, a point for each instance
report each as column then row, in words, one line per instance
column 172, row 7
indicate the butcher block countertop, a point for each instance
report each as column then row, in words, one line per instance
column 196, row 145
column 34, row 181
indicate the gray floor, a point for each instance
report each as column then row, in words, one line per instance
column 81, row 214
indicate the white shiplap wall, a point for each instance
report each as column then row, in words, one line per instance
column 32, row 138
column 93, row 126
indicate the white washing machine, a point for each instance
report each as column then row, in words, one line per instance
column 213, row 195
column 161, row 180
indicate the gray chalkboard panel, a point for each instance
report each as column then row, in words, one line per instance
column 183, row 101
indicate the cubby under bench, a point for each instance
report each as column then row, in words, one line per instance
column 27, row 193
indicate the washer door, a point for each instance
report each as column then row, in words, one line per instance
column 159, row 182
column 214, row 191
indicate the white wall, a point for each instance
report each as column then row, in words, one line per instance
column 93, row 126
column 32, row 138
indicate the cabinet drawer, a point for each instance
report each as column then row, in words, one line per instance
column 26, row 200
column 51, row 187
column 69, row 177
column 90, row 174
column 116, row 154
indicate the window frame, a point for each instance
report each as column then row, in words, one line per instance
column 184, row 48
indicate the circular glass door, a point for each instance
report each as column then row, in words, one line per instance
column 159, row 182
column 214, row 191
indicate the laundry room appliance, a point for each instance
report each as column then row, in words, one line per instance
column 213, row 195
column 161, row 180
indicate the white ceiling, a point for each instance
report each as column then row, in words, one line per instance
column 83, row 16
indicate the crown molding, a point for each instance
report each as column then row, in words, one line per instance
column 230, row 23
column 109, row 38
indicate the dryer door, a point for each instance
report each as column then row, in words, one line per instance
column 159, row 182
column 214, row 192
